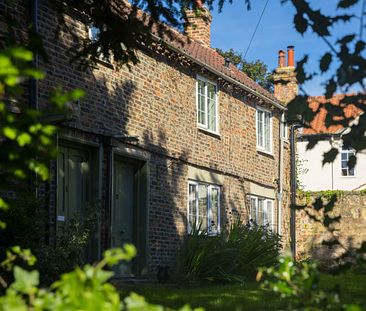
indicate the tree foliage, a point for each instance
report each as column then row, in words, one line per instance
column 345, row 65
column 256, row 70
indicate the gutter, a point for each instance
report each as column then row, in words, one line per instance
column 220, row 74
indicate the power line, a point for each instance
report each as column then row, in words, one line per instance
column 255, row 30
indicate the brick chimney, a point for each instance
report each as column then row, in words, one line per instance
column 198, row 25
column 285, row 83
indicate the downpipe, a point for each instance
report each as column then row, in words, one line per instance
column 293, row 189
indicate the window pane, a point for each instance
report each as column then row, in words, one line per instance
column 351, row 171
column 94, row 33
column 260, row 212
column 284, row 130
column 192, row 213
column 270, row 214
column 260, row 128
column 345, row 156
column 267, row 131
column 201, row 102
column 211, row 106
column 265, row 215
column 214, row 220
column 253, row 210
column 202, row 206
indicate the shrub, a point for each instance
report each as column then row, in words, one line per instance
column 234, row 255
column 298, row 283
column 26, row 228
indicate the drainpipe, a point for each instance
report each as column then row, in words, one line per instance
column 280, row 183
column 33, row 84
column 293, row 189
column 109, row 193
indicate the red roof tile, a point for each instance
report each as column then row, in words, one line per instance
column 317, row 126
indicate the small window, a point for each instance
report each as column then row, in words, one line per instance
column 284, row 130
column 264, row 130
column 207, row 105
column 346, row 153
column 204, row 207
column 262, row 212
column 94, row 33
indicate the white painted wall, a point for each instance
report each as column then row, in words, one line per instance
column 315, row 177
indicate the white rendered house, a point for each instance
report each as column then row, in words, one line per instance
column 312, row 174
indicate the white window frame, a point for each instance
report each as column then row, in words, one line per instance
column 349, row 152
column 259, row 147
column 271, row 223
column 209, row 209
column 284, row 131
column 204, row 125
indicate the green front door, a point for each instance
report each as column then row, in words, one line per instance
column 123, row 212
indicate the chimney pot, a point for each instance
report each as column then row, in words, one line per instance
column 281, row 58
column 227, row 62
column 291, row 56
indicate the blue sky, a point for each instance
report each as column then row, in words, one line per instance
column 233, row 28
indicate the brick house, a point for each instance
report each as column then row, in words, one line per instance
column 183, row 138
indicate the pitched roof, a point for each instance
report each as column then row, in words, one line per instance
column 207, row 56
column 317, row 126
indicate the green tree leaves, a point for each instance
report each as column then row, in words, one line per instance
column 325, row 62
column 346, row 3
column 301, row 24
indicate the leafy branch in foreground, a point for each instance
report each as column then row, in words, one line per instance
column 298, row 283
column 343, row 66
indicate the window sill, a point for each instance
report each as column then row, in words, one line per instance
column 266, row 153
column 102, row 62
column 209, row 132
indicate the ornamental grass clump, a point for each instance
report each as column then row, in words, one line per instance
column 234, row 255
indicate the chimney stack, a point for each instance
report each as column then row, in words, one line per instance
column 198, row 24
column 285, row 83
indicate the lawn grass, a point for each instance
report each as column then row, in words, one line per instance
column 241, row 297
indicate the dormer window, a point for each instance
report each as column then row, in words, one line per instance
column 207, row 116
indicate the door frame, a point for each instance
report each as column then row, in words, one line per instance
column 142, row 199
column 94, row 189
